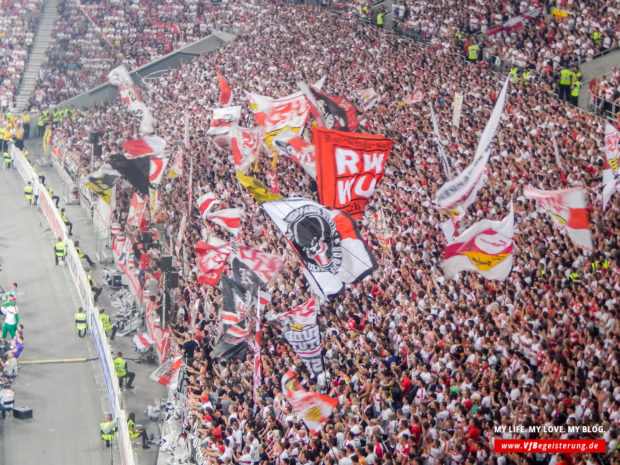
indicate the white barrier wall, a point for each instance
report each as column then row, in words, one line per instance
column 86, row 297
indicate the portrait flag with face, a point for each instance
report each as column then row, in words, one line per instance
column 327, row 242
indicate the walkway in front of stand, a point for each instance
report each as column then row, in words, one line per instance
column 146, row 392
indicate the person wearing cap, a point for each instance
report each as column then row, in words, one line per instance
column 135, row 432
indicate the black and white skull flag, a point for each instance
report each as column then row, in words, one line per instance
column 327, row 242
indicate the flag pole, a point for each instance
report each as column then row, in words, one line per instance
column 189, row 187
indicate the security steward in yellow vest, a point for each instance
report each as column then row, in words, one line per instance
column 66, row 221
column 26, row 124
column 514, row 75
column 55, row 198
column 134, row 432
column 29, row 192
column 472, row 53
column 566, row 78
column 80, row 322
column 6, row 138
column 526, row 77
column 60, row 250
column 380, row 19
column 81, row 254
column 107, row 323
column 8, row 161
column 95, row 289
column 108, row 430
column 120, row 367
column 574, row 92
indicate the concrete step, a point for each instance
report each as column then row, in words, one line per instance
column 37, row 56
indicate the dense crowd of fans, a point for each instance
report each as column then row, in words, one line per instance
column 78, row 58
column 574, row 33
column 18, row 21
column 605, row 92
column 423, row 368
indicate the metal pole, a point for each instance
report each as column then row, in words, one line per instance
column 163, row 312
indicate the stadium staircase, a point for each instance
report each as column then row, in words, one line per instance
column 37, row 57
column 596, row 67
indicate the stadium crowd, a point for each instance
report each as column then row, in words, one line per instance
column 18, row 22
column 423, row 368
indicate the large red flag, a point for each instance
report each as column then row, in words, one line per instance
column 225, row 92
column 348, row 167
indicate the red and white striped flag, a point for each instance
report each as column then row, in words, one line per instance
column 146, row 145
column 206, row 202
column 229, row 219
column 142, row 341
column 236, row 331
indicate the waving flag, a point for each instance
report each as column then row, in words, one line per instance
column 277, row 115
column 329, row 111
column 253, row 269
column 313, row 408
column 168, row 371
column 300, row 316
column 229, row 219
column 349, row 166
column 128, row 92
column 416, row 97
column 136, row 210
column 225, row 92
column 440, row 148
column 154, row 201
column 567, row 208
column 305, row 340
column 558, row 159
column 236, row 304
column 176, row 169
column 462, row 190
column 610, row 167
column 142, row 341
column 146, row 145
column 222, row 124
column 211, row 260
column 258, row 190
column 245, row 146
column 264, row 299
column 289, row 144
column 326, row 241
column 206, row 202
column 367, row 98
column 485, row 247
column 102, row 181
column 157, row 168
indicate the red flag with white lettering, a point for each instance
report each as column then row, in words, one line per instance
column 348, row 167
